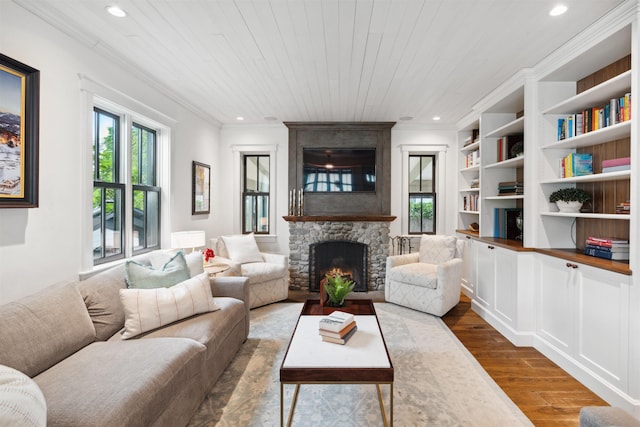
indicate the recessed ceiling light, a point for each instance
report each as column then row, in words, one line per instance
column 240, row 118
column 116, row 11
column 436, row 118
column 406, row 118
column 558, row 10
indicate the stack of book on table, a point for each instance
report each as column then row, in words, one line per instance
column 607, row 248
column 337, row 327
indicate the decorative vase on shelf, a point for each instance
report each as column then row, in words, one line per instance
column 569, row 207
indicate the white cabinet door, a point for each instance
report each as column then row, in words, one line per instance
column 469, row 266
column 506, row 285
column 486, row 276
column 602, row 321
column 556, row 302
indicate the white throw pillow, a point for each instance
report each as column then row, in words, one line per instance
column 147, row 309
column 21, row 400
column 242, row 249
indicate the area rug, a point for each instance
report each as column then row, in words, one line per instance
column 437, row 381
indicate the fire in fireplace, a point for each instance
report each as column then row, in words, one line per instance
column 342, row 257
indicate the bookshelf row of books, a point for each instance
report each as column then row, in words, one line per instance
column 510, row 146
column 338, row 327
column 607, row 248
column 576, row 164
column 510, row 188
column 507, row 223
column 472, row 159
column 624, row 208
column 618, row 110
column 470, row 202
column 475, row 137
column 615, row 165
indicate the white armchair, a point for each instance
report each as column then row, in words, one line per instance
column 428, row 280
column 268, row 273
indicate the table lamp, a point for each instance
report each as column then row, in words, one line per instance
column 188, row 239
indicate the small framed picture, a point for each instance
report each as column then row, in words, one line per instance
column 201, row 188
column 19, row 107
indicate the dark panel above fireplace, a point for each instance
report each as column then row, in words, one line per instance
column 345, row 135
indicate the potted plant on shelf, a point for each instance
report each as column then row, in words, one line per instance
column 517, row 150
column 569, row 199
column 337, row 288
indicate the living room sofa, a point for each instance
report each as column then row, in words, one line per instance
column 68, row 339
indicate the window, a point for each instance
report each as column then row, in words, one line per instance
column 108, row 190
column 255, row 194
column 146, row 195
column 136, row 147
column 422, row 194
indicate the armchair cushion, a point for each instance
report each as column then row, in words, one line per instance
column 263, row 271
column 418, row 274
column 437, row 249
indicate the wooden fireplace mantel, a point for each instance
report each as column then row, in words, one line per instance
column 338, row 218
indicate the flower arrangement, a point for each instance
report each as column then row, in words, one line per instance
column 208, row 254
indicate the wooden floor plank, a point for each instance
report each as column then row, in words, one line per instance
column 546, row 394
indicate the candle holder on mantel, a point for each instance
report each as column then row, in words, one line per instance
column 296, row 202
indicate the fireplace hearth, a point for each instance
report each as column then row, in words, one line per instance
column 347, row 258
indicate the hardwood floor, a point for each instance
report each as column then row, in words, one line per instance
column 546, row 394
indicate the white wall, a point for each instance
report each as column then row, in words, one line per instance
column 42, row 246
column 414, row 139
column 254, row 138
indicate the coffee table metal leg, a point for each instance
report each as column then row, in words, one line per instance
column 294, row 400
column 386, row 422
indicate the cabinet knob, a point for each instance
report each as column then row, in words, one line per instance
column 468, row 237
column 491, row 247
column 570, row 265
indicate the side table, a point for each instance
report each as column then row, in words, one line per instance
column 215, row 269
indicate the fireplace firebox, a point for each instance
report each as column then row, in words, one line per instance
column 344, row 257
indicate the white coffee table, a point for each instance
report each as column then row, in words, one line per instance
column 364, row 359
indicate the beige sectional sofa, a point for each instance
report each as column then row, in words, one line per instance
column 67, row 339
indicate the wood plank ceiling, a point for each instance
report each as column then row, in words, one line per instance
column 323, row 60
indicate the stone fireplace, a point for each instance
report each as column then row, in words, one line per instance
column 305, row 231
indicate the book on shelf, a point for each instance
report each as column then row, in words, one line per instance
column 623, row 208
column 576, row 164
column 505, row 145
column 472, row 158
column 617, row 256
column 335, row 321
column 506, row 223
column 340, row 334
column 616, row 168
column 470, row 202
column 607, row 243
column 621, row 161
column 510, row 188
column 617, row 110
column 607, row 249
column 342, row 340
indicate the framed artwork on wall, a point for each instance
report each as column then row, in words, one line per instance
column 200, row 188
column 19, row 122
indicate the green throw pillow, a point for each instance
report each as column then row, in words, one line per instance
column 140, row 276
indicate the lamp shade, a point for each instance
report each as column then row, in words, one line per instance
column 187, row 239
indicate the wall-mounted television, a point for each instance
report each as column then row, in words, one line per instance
column 339, row 170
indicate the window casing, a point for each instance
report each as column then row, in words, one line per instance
column 422, row 194
column 124, row 172
column 256, row 193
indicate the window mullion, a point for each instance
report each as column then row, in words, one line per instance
column 125, row 170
